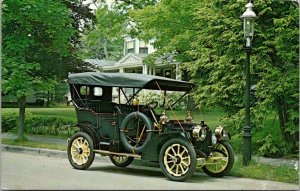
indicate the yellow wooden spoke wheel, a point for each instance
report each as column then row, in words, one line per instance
column 177, row 159
column 121, row 161
column 221, row 160
column 80, row 151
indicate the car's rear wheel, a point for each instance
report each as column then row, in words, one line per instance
column 80, row 151
column 224, row 152
column 177, row 159
column 121, row 161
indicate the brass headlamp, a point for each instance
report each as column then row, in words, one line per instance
column 199, row 132
column 221, row 133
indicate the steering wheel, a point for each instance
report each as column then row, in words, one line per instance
column 151, row 105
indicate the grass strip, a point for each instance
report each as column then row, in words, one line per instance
column 265, row 172
column 33, row 144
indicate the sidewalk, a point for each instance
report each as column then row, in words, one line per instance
column 63, row 141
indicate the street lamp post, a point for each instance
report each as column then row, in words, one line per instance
column 249, row 17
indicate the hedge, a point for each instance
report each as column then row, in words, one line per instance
column 39, row 124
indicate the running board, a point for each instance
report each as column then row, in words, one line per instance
column 104, row 152
column 209, row 161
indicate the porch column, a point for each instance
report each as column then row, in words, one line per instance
column 153, row 71
column 145, row 69
column 177, row 72
column 149, row 70
column 121, row 70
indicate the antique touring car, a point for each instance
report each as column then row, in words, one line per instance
column 129, row 130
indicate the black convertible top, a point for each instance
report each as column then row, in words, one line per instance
column 129, row 80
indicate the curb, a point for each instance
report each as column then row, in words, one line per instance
column 39, row 151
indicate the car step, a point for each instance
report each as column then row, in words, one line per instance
column 104, row 152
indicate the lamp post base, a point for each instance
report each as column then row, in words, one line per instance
column 247, row 145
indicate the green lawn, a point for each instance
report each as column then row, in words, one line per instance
column 67, row 112
column 210, row 117
column 265, row 172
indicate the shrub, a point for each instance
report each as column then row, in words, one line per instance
column 265, row 143
column 273, row 147
column 148, row 96
column 39, row 124
column 9, row 121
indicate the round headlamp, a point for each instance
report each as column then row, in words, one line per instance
column 199, row 133
column 221, row 133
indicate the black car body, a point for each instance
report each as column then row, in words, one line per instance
column 124, row 131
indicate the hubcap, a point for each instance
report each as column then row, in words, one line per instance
column 177, row 160
column 80, row 151
column 222, row 162
column 120, row 159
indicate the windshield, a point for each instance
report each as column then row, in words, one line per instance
column 165, row 99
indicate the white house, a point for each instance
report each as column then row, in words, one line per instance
column 135, row 51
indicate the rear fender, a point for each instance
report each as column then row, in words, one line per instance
column 90, row 129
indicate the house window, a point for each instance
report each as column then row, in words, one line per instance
column 129, row 71
column 130, row 46
column 143, row 49
column 139, row 71
column 158, row 72
column 168, row 73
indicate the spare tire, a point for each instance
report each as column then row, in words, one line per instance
column 129, row 143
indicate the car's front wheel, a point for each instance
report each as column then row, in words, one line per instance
column 121, row 161
column 177, row 159
column 80, row 151
column 223, row 152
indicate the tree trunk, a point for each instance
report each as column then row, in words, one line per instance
column 282, row 110
column 48, row 98
column 105, row 48
column 22, row 103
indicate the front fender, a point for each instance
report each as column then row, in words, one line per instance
column 152, row 149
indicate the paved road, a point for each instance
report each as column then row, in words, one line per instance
column 63, row 141
column 27, row 171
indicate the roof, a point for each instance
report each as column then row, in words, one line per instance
column 129, row 80
column 98, row 62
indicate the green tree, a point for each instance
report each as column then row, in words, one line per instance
column 171, row 23
column 53, row 64
column 125, row 5
column 207, row 35
column 105, row 41
column 219, row 57
column 32, row 30
column 82, row 16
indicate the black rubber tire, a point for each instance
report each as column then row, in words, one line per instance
column 121, row 164
column 123, row 137
column 90, row 146
column 229, row 166
column 191, row 153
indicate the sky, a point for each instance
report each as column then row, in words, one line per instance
column 92, row 6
